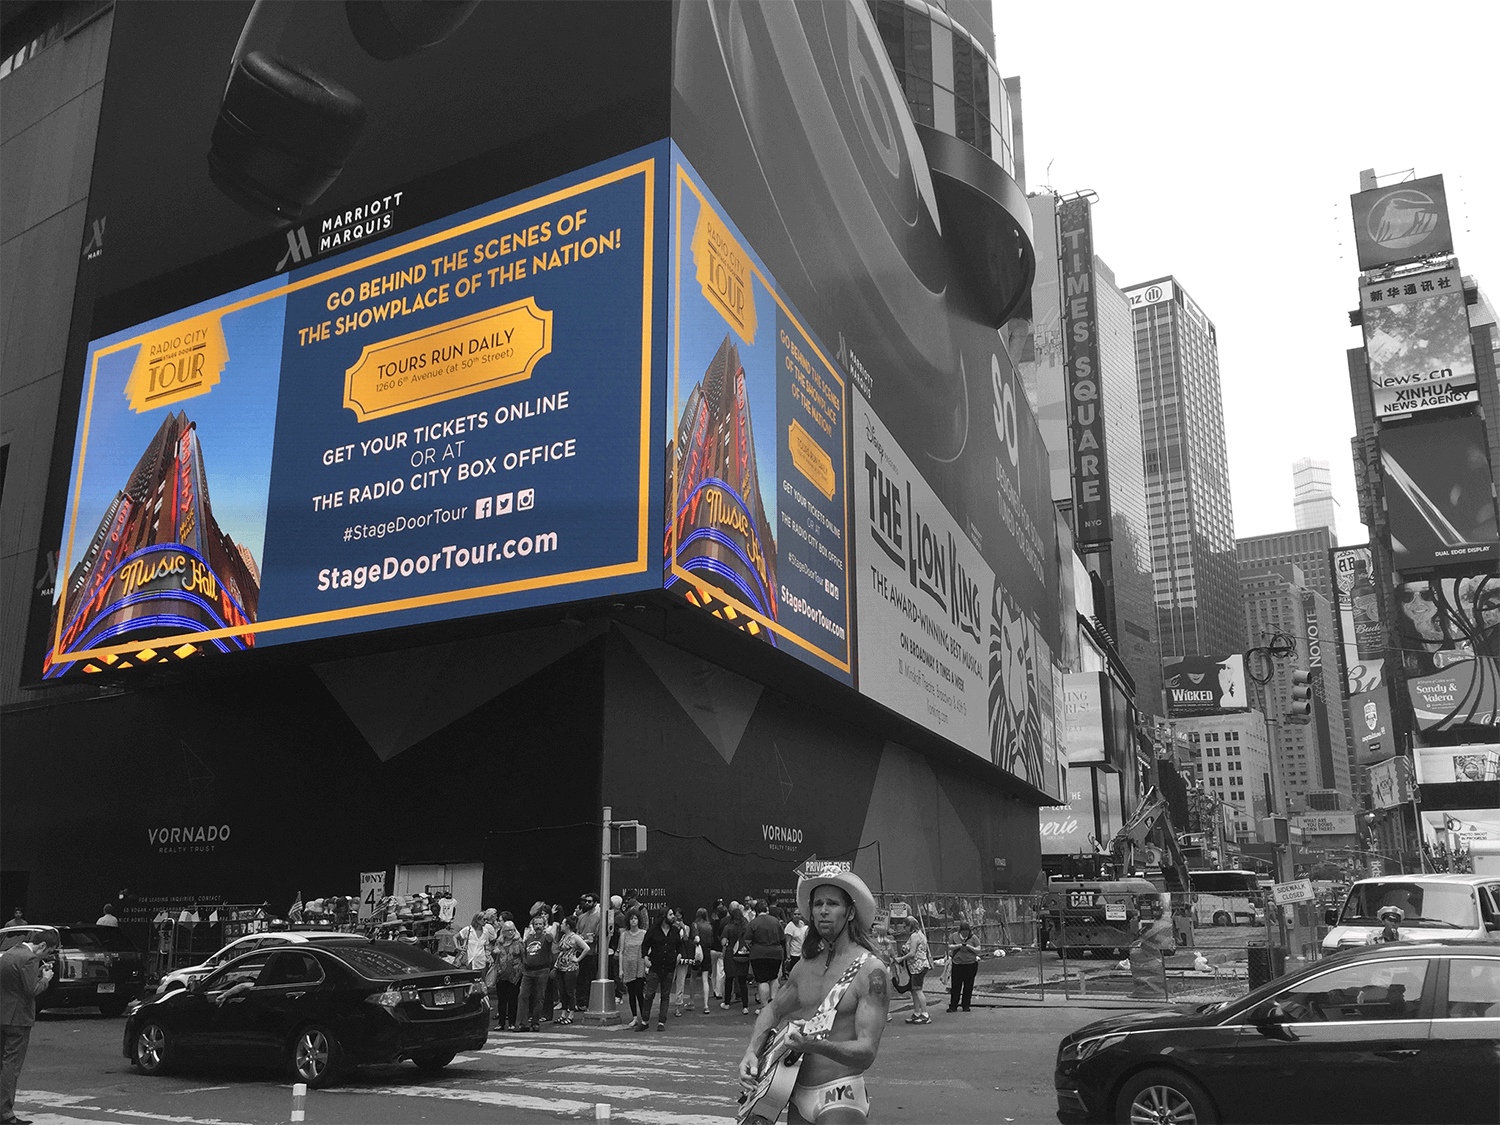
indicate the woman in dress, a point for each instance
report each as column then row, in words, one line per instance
column 633, row 967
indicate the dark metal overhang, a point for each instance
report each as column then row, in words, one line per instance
column 986, row 221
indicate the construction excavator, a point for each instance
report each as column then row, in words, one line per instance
column 1104, row 916
column 1133, row 849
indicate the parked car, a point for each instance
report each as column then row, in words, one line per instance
column 1391, row 1033
column 179, row 978
column 315, row 1008
column 96, row 966
column 1433, row 907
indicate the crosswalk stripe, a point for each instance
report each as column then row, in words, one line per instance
column 502, row 1100
column 655, row 1074
column 590, row 1056
column 601, row 1091
column 74, row 1104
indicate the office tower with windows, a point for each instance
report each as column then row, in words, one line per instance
column 1308, row 549
column 1313, row 504
column 1311, row 756
column 1187, row 473
column 1232, row 762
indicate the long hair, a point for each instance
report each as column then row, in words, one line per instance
column 812, row 944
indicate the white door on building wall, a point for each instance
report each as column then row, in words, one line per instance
column 464, row 880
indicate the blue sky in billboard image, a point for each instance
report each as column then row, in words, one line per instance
column 1224, row 143
column 236, row 423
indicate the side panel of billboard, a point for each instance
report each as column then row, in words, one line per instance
column 1205, row 685
column 757, row 474
column 1402, row 223
column 1370, row 720
column 1391, row 783
column 1084, row 739
column 922, row 627
column 1438, row 495
column 1361, row 632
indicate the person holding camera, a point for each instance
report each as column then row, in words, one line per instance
column 25, row 973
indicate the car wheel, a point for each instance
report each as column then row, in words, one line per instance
column 1221, row 919
column 1164, row 1097
column 431, row 1063
column 315, row 1056
column 111, row 1009
column 153, row 1049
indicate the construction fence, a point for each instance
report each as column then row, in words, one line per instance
column 1165, row 957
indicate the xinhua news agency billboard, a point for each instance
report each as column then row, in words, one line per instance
column 1401, row 223
column 452, row 421
column 1416, row 330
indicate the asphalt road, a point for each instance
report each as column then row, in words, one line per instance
column 992, row 1065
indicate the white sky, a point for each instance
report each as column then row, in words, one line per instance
column 1224, row 145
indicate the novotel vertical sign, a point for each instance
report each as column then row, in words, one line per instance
column 1081, row 341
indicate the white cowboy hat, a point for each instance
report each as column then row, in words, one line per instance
column 836, row 875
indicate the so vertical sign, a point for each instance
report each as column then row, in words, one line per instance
column 1081, row 339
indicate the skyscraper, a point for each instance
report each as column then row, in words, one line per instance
column 1313, row 504
column 1308, row 550
column 1311, row 756
column 1189, row 508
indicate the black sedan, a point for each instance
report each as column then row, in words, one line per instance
column 96, row 966
column 1398, row 1033
column 316, row 1009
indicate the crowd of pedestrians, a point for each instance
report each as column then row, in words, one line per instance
column 659, row 960
column 737, row 954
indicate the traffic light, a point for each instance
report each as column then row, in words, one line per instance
column 1301, row 708
column 627, row 839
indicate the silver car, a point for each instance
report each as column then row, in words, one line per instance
column 181, row 978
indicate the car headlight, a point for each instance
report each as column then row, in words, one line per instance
column 1084, row 1049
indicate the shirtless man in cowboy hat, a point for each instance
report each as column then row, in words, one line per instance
column 831, row 1088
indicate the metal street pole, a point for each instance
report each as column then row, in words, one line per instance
column 602, row 1008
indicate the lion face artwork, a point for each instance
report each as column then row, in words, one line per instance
column 1018, row 656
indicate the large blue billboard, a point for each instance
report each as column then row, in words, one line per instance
column 451, row 422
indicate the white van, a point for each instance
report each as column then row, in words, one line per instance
column 1433, row 908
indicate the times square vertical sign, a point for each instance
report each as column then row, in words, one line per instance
column 1081, row 340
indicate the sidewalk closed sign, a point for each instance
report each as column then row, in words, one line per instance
column 1285, row 894
column 371, row 891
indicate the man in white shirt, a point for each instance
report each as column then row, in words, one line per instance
column 108, row 917
column 795, row 931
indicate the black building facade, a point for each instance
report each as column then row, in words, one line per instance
column 492, row 732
